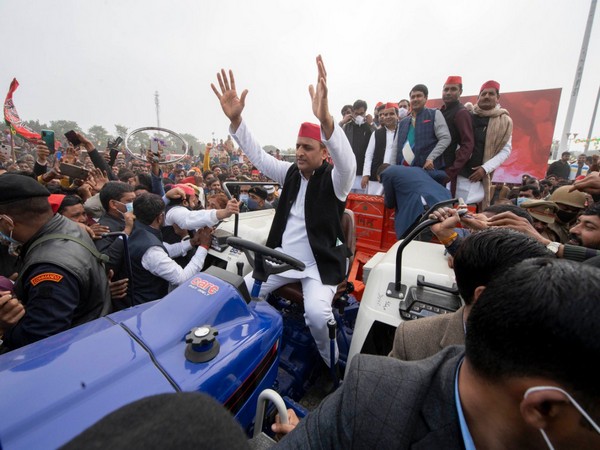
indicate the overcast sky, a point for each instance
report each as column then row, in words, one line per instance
column 100, row 62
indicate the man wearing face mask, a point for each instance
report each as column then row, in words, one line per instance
column 527, row 193
column 358, row 131
column 257, row 199
column 570, row 205
column 116, row 198
column 61, row 281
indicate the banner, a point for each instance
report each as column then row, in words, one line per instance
column 534, row 116
column 11, row 116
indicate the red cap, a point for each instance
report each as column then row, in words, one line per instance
column 310, row 130
column 490, row 84
column 186, row 189
column 390, row 105
column 255, row 172
column 55, row 200
column 191, row 180
column 378, row 104
column 454, row 79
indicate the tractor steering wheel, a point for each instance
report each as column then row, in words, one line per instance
column 265, row 260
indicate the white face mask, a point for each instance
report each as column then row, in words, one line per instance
column 359, row 120
column 573, row 402
column 14, row 246
column 402, row 113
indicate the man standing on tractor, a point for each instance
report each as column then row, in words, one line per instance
column 307, row 223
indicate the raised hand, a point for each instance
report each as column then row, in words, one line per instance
column 231, row 104
column 320, row 103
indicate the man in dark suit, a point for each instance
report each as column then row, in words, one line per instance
column 407, row 189
column 524, row 382
column 480, row 258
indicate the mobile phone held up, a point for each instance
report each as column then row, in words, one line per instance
column 48, row 138
column 74, row 172
column 113, row 146
column 72, row 138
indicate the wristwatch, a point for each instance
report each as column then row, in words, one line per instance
column 553, row 247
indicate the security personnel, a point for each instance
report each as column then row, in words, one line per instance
column 61, row 282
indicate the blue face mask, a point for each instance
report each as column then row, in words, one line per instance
column 128, row 206
column 252, row 204
column 244, row 198
column 521, row 200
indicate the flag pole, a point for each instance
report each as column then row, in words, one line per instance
column 12, row 143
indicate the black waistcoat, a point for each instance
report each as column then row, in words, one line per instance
column 147, row 286
column 479, row 130
column 323, row 212
column 449, row 112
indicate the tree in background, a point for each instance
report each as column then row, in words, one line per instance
column 98, row 135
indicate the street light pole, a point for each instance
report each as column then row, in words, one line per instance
column 589, row 137
column 577, row 81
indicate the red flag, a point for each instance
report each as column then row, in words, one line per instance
column 11, row 116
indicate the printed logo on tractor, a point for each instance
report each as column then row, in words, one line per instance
column 203, row 286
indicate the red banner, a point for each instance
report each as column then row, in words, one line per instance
column 534, row 116
column 11, row 116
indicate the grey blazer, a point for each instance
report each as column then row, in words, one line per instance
column 385, row 403
column 422, row 338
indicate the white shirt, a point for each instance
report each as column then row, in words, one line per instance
column 389, row 156
column 191, row 220
column 499, row 158
column 159, row 263
column 294, row 241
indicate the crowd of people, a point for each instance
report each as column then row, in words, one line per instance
column 528, row 342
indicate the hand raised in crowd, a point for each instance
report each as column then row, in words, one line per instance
column 85, row 141
column 510, row 220
column 85, row 191
column 320, row 104
column 11, row 310
column 175, row 193
column 118, row 289
column 347, row 118
column 475, row 221
column 97, row 179
column 282, row 429
column 98, row 230
column 71, row 155
column 42, row 152
column 52, row 174
column 478, row 174
column 231, row 104
column 202, row 237
column 590, row 184
column 233, row 207
column 129, row 221
column 448, row 220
